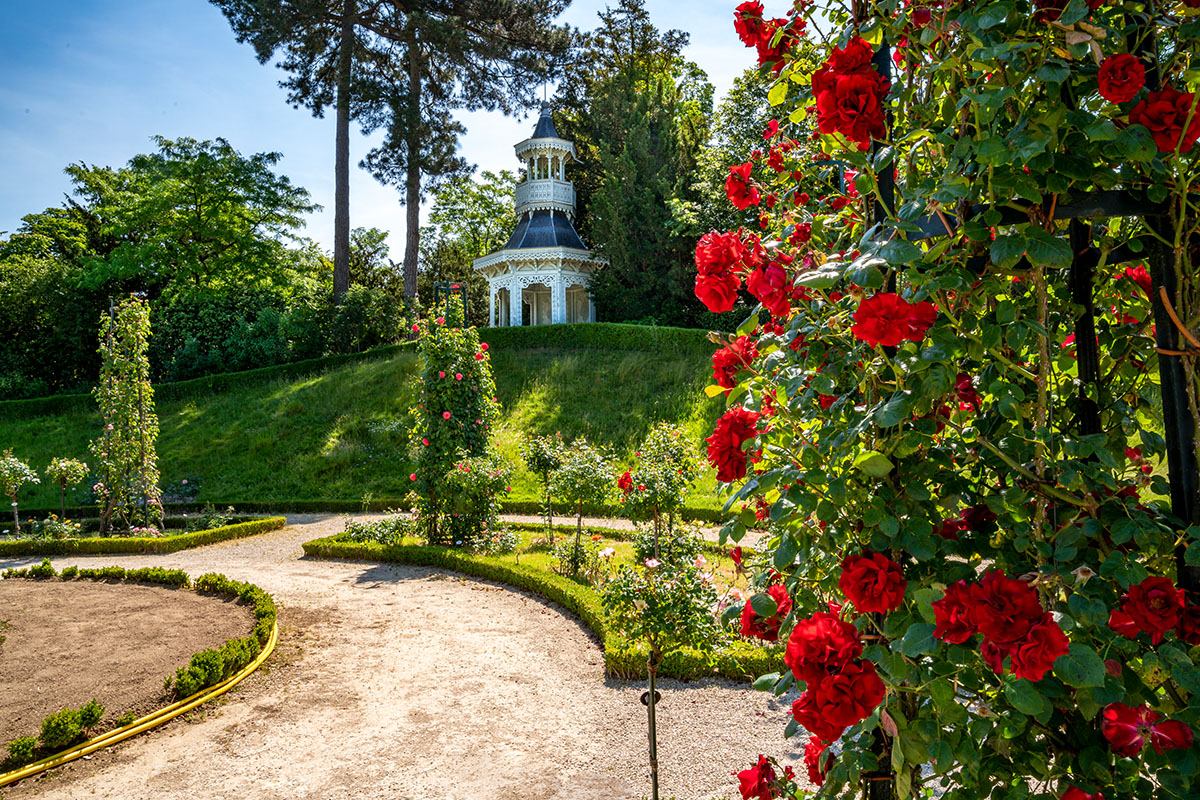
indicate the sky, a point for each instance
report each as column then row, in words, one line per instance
column 93, row 80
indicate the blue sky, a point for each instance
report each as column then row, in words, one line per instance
column 93, row 80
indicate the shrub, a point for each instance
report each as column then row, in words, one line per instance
column 578, row 558
column 61, row 729
column 543, row 456
column 53, row 528
column 15, row 473
column 21, row 751
column 680, row 546
column 210, row 518
column 389, row 530
column 66, row 472
column 584, row 477
column 657, row 487
column 91, row 714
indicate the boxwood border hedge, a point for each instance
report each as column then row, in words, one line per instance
column 622, row 659
column 137, row 544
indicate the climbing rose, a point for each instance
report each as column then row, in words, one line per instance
column 1188, row 627
column 766, row 628
column 1035, row 655
column 849, row 696
column 888, row 319
column 625, row 482
column 771, row 286
column 964, row 392
column 1140, row 276
column 1075, row 793
column 731, row 359
column 725, row 445
column 806, row 713
column 873, row 582
column 1003, row 609
column 748, row 22
column 1151, row 607
column 820, row 645
column 717, row 292
column 1121, row 77
column 756, row 781
column 445, row 415
column 814, row 748
column 740, row 188
column 850, row 94
column 1165, row 113
column 716, row 256
column 1127, row 730
column 951, row 614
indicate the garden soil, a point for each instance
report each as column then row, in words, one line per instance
column 405, row 682
column 66, row 643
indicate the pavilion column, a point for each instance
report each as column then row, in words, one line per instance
column 491, row 305
column 514, row 303
column 558, row 300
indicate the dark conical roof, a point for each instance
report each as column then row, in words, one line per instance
column 544, row 229
column 545, row 125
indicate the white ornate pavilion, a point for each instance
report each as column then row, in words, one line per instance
column 540, row 276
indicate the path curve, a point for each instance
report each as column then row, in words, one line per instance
column 406, row 682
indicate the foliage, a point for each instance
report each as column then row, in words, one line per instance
column 21, row 751
column 638, row 115
column 15, row 473
column 62, row 728
column 477, row 213
column 54, row 528
column 543, row 455
column 578, row 558
column 458, row 411
column 658, row 485
column 66, row 472
column 210, row 518
column 472, row 488
column 585, row 475
column 392, row 529
column 139, row 544
column 928, row 411
column 448, row 260
column 666, row 606
column 127, row 462
column 681, row 545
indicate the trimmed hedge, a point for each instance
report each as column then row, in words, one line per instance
column 207, row 668
column 137, row 544
column 600, row 336
column 209, row 384
column 622, row 659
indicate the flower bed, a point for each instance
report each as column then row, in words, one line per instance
column 740, row 660
column 137, row 544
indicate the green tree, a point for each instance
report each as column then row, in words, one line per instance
column 445, row 260
column 15, row 473
column 66, row 472
column 584, row 477
column 126, row 449
column 543, row 455
column 479, row 213
column 638, row 114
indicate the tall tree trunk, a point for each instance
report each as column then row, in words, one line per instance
column 341, row 193
column 412, row 156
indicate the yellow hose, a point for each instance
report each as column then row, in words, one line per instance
column 152, row 720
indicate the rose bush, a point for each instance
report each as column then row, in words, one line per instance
column 946, row 410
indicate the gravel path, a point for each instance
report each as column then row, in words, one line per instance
column 405, row 682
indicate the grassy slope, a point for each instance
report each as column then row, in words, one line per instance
column 341, row 435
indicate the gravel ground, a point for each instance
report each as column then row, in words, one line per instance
column 404, row 682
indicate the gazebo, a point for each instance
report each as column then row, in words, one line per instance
column 540, row 276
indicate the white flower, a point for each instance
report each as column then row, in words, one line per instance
column 651, row 563
column 736, row 594
column 607, row 552
column 706, row 577
column 639, row 604
column 699, row 562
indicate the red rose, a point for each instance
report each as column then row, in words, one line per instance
column 756, row 781
column 740, row 188
column 748, row 22
column 1004, row 609
column 725, row 445
column 850, row 695
column 951, row 614
column 1035, row 655
column 855, row 57
column 1128, row 729
column 1139, row 275
column 1075, row 793
column 814, row 748
column 853, row 107
column 1188, row 627
column 820, row 645
column 873, row 582
column 772, row 287
column 717, row 292
column 964, row 392
column 719, row 252
column 1151, row 606
column 888, row 319
column 1121, row 77
column 769, row 53
column 625, row 483
column 993, row 655
column 805, row 712
column 730, row 360
column 766, row 628
column 1166, row 113
column 736, row 555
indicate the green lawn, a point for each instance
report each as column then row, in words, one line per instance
column 341, row 434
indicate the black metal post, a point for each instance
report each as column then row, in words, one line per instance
column 652, row 700
column 1079, row 278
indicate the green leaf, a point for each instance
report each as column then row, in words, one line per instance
column 1080, row 667
column 918, row 639
column 1025, row 697
column 1054, row 73
column 1047, row 249
column 764, row 605
column 894, row 411
column 899, row 251
column 778, row 93
column 873, row 463
column 785, row 554
column 765, row 683
column 1007, row 250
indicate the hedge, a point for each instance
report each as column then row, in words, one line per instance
column 196, row 387
column 206, row 668
column 137, row 544
column 622, row 659
column 600, row 336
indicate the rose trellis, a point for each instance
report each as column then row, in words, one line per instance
column 946, row 407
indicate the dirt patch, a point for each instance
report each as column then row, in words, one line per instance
column 67, row 642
